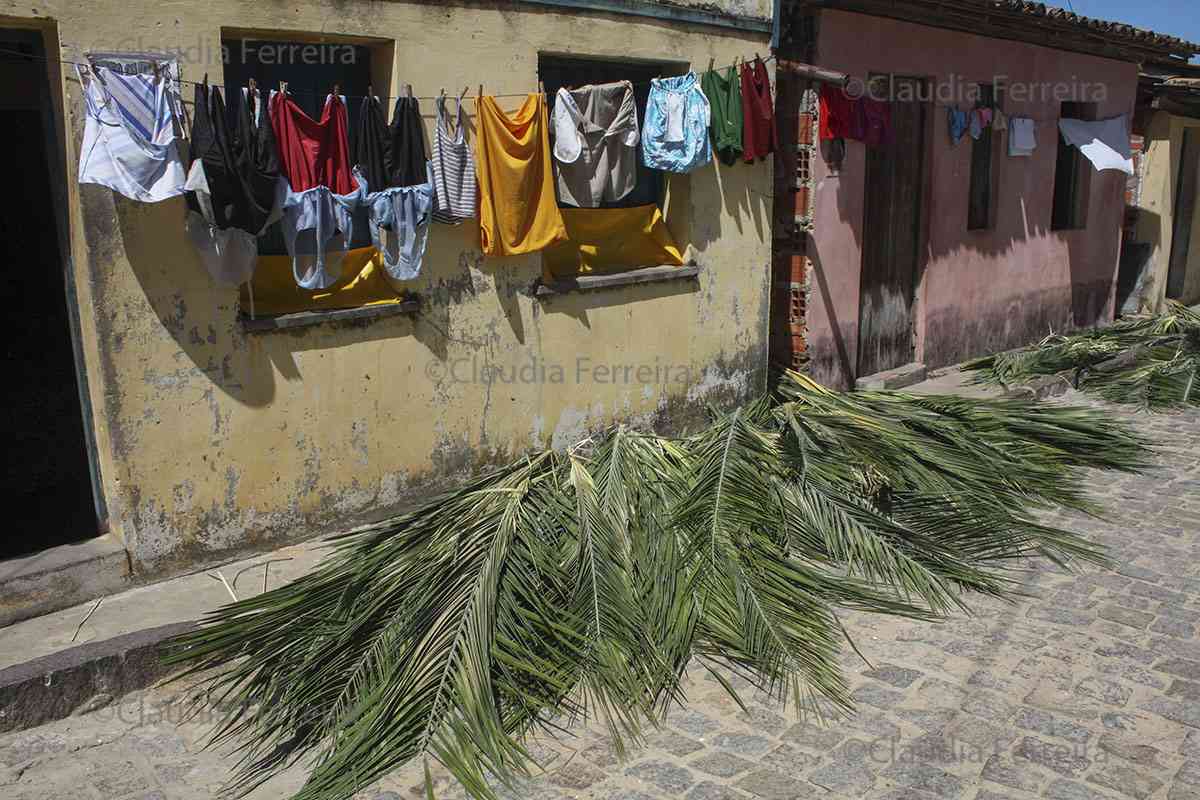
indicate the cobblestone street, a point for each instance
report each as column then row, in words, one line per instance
column 1089, row 688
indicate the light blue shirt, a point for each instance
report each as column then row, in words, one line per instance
column 675, row 134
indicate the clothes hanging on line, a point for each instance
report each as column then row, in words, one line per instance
column 1022, row 136
column 454, row 186
column 980, row 121
column 957, row 123
column 724, row 93
column 236, row 166
column 131, row 131
column 839, row 114
column 404, row 214
column 216, row 217
column 229, row 255
column 314, row 218
column 675, row 136
column 312, row 153
column 1105, row 142
column 595, row 143
column 373, row 144
column 407, row 149
column 518, row 212
column 759, row 137
column 256, row 161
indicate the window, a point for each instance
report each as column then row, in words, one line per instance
column 556, row 72
column 1072, row 177
column 311, row 69
column 979, row 197
column 617, row 237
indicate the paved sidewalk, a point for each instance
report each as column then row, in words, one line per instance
column 1089, row 689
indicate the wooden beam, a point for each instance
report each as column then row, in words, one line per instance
column 820, row 74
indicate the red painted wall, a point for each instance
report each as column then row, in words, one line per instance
column 979, row 291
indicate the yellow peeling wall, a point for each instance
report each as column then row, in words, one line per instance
column 1156, row 222
column 212, row 440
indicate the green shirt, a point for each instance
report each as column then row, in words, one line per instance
column 724, row 93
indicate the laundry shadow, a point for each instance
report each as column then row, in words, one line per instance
column 200, row 316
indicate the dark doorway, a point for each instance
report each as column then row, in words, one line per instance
column 1185, row 208
column 48, row 478
column 891, row 234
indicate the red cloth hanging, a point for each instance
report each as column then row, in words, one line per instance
column 312, row 153
column 839, row 114
column 758, row 112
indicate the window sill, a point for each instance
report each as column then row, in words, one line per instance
column 302, row 319
column 587, row 283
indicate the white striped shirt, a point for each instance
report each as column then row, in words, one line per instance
column 129, row 139
column 453, row 170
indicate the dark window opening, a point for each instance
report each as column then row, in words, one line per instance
column 556, row 72
column 310, row 70
column 979, row 208
column 1072, row 176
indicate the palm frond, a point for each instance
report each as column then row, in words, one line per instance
column 1150, row 362
column 582, row 585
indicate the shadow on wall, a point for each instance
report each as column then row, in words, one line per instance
column 734, row 185
column 203, row 318
column 831, row 363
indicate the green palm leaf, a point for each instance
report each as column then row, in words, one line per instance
column 584, row 584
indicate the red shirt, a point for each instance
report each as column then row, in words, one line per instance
column 758, row 112
column 838, row 114
column 312, row 153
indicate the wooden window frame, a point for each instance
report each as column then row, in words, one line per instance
column 981, row 190
column 1072, row 175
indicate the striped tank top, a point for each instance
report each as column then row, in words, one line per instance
column 453, row 169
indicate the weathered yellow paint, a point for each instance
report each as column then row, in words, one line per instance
column 1156, row 222
column 212, row 440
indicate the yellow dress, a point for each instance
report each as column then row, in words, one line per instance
column 518, row 211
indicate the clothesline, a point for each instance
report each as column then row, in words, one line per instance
column 315, row 93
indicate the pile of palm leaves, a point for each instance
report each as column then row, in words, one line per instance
column 1147, row 361
column 583, row 584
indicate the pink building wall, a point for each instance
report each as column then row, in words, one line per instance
column 977, row 291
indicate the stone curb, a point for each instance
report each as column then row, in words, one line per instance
column 83, row 678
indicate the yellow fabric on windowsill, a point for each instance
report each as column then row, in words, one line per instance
column 363, row 282
column 601, row 240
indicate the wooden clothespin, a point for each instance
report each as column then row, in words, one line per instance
column 253, row 86
column 408, row 90
column 337, row 90
column 480, row 95
column 283, row 87
column 370, row 91
column 541, row 87
column 711, row 60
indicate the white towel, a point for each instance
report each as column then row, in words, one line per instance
column 1022, row 136
column 1105, row 142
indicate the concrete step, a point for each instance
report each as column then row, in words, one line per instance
column 60, row 577
column 86, row 656
column 897, row 378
